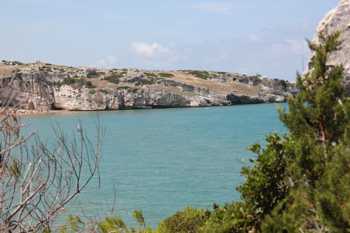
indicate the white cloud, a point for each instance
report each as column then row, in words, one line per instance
column 107, row 62
column 149, row 50
column 214, row 7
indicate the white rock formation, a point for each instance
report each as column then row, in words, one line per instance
column 338, row 19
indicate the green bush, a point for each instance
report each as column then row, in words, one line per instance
column 113, row 78
column 202, row 74
column 165, row 75
column 91, row 73
column 266, row 183
column 235, row 217
column 116, row 75
column 124, row 88
column 76, row 82
column 187, row 221
column 88, row 84
column 104, row 91
column 150, row 75
column 112, row 224
column 92, row 91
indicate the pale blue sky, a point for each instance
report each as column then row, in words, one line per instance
column 249, row 36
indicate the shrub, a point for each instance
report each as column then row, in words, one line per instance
column 76, row 82
column 88, row 84
column 116, row 75
column 165, row 75
column 187, row 221
column 150, row 75
column 235, row 217
column 92, row 91
column 267, row 176
column 112, row 224
column 70, row 81
column 113, row 79
column 124, row 88
column 92, row 73
column 104, row 91
column 202, row 74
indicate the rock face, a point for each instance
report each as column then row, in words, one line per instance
column 336, row 20
column 44, row 87
column 27, row 91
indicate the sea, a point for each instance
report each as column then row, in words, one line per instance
column 160, row 161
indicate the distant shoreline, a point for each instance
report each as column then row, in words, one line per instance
column 23, row 112
column 41, row 87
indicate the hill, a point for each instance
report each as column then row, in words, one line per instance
column 44, row 87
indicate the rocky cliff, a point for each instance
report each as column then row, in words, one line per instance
column 338, row 20
column 43, row 87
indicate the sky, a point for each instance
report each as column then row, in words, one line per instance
column 264, row 37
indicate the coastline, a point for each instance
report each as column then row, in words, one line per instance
column 24, row 112
column 43, row 88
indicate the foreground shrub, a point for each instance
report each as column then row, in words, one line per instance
column 187, row 221
column 233, row 217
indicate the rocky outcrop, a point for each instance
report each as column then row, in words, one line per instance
column 83, row 99
column 43, row 87
column 27, row 91
column 338, row 20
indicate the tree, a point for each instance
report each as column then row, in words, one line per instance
column 38, row 180
column 300, row 181
column 318, row 115
column 266, row 182
column 318, row 123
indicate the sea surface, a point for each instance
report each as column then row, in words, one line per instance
column 160, row 161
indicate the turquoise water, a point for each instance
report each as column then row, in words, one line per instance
column 160, row 161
